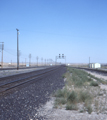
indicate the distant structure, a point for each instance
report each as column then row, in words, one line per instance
column 94, row 65
column 60, row 57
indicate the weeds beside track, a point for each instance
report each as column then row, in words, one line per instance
column 80, row 92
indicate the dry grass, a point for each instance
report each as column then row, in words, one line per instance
column 80, row 88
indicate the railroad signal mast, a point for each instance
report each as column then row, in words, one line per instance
column 60, row 57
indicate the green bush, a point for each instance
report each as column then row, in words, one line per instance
column 84, row 95
column 71, row 107
column 72, row 97
column 61, row 93
column 89, row 109
column 63, row 76
column 90, row 79
column 60, row 100
column 93, row 83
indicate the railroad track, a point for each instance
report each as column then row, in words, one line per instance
column 93, row 70
column 23, row 68
column 6, row 85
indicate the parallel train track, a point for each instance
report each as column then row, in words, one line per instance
column 11, row 82
column 14, row 68
column 101, row 71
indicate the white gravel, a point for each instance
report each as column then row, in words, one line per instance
column 62, row 114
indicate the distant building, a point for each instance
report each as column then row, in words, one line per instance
column 94, row 65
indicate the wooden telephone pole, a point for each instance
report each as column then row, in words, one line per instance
column 17, row 49
column 2, row 47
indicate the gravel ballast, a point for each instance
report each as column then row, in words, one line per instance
column 24, row 103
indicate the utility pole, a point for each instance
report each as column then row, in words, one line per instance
column 19, row 57
column 42, row 61
column 56, row 60
column 29, row 59
column 11, row 62
column 17, row 49
column 37, row 60
column 25, row 61
column 2, row 54
column 45, row 62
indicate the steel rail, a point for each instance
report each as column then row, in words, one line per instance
column 23, row 68
column 42, row 72
column 90, row 69
column 22, row 74
column 10, row 85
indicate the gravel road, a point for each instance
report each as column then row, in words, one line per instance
column 24, row 103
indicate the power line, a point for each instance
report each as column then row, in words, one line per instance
column 22, row 56
column 10, row 53
column 7, row 30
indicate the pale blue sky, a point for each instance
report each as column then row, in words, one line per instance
column 76, row 28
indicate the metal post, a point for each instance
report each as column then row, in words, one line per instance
column 29, row 59
column 17, row 50
column 37, row 60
